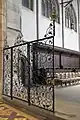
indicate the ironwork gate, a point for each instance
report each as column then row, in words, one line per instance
column 27, row 68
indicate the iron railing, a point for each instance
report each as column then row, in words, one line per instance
column 27, row 66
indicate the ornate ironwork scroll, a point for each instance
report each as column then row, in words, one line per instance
column 7, row 72
column 43, row 54
column 19, row 53
column 42, row 96
column 23, row 60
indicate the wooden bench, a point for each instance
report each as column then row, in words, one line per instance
column 67, row 78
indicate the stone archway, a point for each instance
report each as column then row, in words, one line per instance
column 2, row 38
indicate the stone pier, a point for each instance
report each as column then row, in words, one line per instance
column 2, row 38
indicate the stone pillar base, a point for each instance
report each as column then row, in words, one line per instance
column 2, row 37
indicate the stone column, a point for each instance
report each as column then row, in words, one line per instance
column 2, row 37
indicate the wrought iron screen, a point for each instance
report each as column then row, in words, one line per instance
column 27, row 67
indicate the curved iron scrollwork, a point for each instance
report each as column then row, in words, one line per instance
column 50, row 32
column 25, row 59
column 7, row 71
column 19, row 54
column 42, row 96
column 43, row 68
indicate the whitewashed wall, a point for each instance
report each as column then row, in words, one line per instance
column 11, row 36
column 13, row 21
column 28, row 26
column 44, row 24
column 70, row 36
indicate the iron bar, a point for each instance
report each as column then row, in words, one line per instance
column 37, row 30
column 11, row 74
column 28, row 56
column 34, row 64
column 29, row 42
column 37, row 20
column 53, row 63
column 6, row 95
column 66, row 2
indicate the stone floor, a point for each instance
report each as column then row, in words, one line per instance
column 9, row 113
column 67, row 110
column 68, row 102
